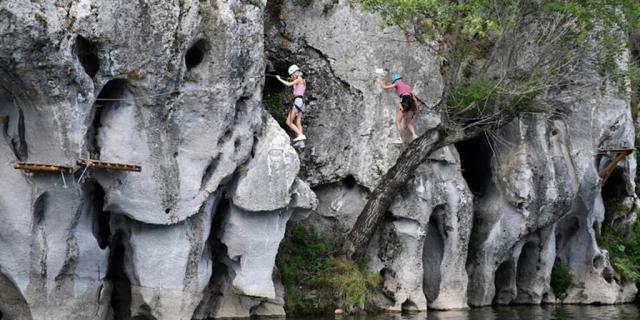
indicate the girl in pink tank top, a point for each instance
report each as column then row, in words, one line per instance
column 294, row 118
column 408, row 105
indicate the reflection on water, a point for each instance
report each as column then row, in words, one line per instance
column 561, row 312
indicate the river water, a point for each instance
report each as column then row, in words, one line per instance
column 560, row 312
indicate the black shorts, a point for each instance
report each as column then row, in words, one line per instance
column 408, row 104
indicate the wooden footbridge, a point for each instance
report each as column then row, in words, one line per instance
column 36, row 167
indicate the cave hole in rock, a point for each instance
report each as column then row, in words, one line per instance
column 433, row 253
column 615, row 187
column 218, row 253
column 598, row 261
column 505, row 283
column 40, row 208
column 409, row 306
column 614, row 192
column 143, row 317
column 108, row 100
column 475, row 161
column 87, row 55
column 100, row 227
column 276, row 96
column 221, row 210
column 608, row 275
column 349, row 181
column 116, row 274
column 12, row 125
column 526, row 270
column 195, row 54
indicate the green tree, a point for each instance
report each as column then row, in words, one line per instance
column 485, row 86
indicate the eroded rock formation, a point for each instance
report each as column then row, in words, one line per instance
column 177, row 87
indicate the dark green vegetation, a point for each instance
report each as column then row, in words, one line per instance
column 303, row 3
column 560, row 279
column 317, row 279
column 275, row 104
column 624, row 250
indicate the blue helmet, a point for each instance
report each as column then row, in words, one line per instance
column 395, row 77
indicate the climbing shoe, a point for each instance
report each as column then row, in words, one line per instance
column 300, row 138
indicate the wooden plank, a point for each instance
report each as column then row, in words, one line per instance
column 627, row 150
column 109, row 165
column 32, row 167
column 608, row 170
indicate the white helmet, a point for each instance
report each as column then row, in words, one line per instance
column 293, row 69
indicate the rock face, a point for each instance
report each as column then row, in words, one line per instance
column 531, row 191
column 177, row 87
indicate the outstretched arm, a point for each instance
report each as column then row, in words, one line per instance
column 385, row 86
column 289, row 83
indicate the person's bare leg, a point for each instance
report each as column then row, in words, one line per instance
column 290, row 122
column 408, row 120
column 299, row 121
column 399, row 123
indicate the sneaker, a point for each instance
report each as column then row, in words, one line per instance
column 300, row 137
column 397, row 141
column 414, row 137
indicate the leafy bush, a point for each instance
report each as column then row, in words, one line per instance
column 317, row 279
column 471, row 97
column 560, row 279
column 624, row 251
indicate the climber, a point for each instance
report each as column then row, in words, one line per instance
column 294, row 118
column 408, row 104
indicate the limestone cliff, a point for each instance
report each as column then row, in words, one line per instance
column 177, row 88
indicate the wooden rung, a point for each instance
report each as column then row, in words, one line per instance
column 625, row 150
column 31, row 167
column 613, row 163
column 109, row 165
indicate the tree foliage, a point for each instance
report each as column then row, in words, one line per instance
column 316, row 279
column 486, row 83
column 432, row 18
column 560, row 279
column 624, row 250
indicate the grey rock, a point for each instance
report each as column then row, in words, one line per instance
column 269, row 174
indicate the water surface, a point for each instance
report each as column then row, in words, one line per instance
column 560, row 312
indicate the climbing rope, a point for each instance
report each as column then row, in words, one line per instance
column 145, row 96
column 64, row 181
column 89, row 164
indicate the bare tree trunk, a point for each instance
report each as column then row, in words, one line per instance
column 382, row 197
column 415, row 154
column 390, row 184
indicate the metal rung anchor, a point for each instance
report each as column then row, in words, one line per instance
column 64, row 181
